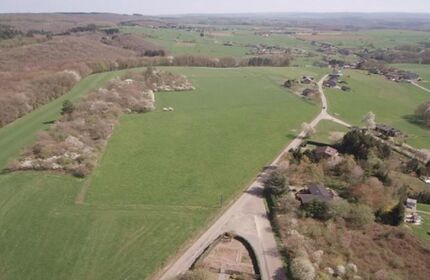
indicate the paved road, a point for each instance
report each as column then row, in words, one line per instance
column 420, row 86
column 247, row 217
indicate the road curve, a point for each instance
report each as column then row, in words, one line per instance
column 247, row 216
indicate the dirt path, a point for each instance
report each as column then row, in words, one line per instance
column 247, row 216
column 80, row 198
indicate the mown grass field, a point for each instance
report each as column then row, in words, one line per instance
column 421, row 231
column 160, row 180
column 15, row 136
column 393, row 104
column 327, row 131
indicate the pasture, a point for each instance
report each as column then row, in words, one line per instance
column 163, row 176
column 383, row 38
column 179, row 42
column 393, row 104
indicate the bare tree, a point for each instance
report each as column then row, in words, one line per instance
column 369, row 120
column 308, row 129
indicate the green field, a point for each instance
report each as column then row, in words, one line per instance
column 190, row 42
column 421, row 231
column 393, row 104
column 161, row 179
column 383, row 38
column 326, row 131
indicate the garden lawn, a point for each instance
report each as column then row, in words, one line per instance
column 393, row 104
column 162, row 178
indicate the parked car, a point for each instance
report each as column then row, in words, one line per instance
column 426, row 180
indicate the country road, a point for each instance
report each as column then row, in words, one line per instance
column 247, row 216
column 420, row 86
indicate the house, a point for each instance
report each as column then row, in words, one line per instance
column 410, row 76
column 315, row 192
column 290, row 83
column 307, row 79
column 308, row 92
column 326, row 151
column 411, row 204
column 387, row 130
column 336, row 74
column 330, row 83
column 426, row 180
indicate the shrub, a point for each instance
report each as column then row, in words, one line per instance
column 317, row 209
column 276, row 183
column 302, row 269
column 359, row 216
column 339, row 208
column 423, row 113
column 67, row 108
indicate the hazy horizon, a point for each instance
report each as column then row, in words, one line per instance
column 172, row 7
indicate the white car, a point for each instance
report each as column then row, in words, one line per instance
column 426, row 180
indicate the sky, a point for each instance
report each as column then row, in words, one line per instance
column 160, row 7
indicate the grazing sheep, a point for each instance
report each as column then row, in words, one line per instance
column 171, row 109
column 165, row 109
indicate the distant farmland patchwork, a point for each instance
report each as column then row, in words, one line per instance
column 162, row 177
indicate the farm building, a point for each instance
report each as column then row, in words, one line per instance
column 387, row 130
column 307, row 79
column 336, row 74
column 308, row 92
column 330, row 83
column 411, row 204
column 326, row 151
column 315, row 192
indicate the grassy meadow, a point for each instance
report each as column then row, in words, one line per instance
column 378, row 38
column 421, row 231
column 160, row 180
column 190, row 42
column 393, row 104
column 327, row 131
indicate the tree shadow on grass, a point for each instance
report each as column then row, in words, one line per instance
column 412, row 119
